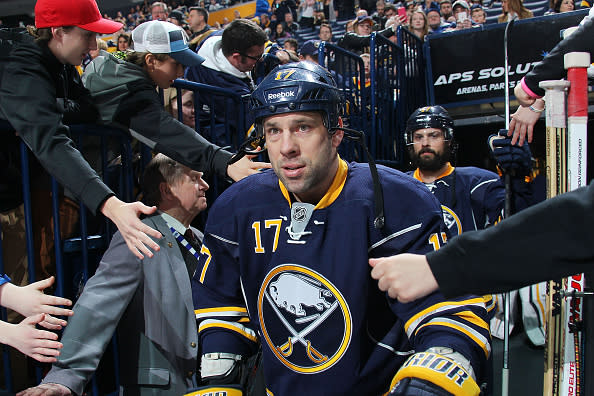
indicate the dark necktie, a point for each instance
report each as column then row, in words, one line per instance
column 192, row 240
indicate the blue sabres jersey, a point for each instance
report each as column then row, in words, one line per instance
column 472, row 198
column 296, row 278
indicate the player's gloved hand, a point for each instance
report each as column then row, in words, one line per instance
column 429, row 373
column 510, row 158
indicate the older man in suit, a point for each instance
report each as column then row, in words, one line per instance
column 149, row 300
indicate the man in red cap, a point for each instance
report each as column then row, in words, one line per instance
column 40, row 90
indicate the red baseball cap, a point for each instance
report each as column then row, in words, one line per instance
column 82, row 13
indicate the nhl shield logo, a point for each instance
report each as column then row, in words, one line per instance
column 304, row 318
column 300, row 214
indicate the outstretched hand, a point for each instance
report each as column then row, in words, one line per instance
column 405, row 277
column 41, row 345
column 521, row 125
column 30, row 300
column 136, row 234
column 245, row 167
column 46, row 390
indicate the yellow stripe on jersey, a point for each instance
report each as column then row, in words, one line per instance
column 477, row 337
column 334, row 190
column 473, row 318
column 220, row 311
column 433, row 310
column 236, row 327
column 490, row 302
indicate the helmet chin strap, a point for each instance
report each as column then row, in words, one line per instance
column 378, row 195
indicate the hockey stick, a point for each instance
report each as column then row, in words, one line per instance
column 507, row 213
column 576, row 64
column 555, row 133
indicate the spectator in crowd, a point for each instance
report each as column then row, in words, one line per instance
column 229, row 58
column 359, row 42
column 361, row 12
column 187, row 106
column 325, row 33
column 558, row 6
column 445, row 9
column 319, row 17
column 236, row 15
column 309, row 51
column 378, row 15
column 197, row 19
column 120, row 18
column 461, row 15
column 265, row 23
column 38, row 308
column 177, row 18
column 513, row 9
column 418, row 24
column 281, row 7
column 291, row 44
column 123, row 41
column 350, row 26
column 148, row 301
column 389, row 10
column 280, row 33
column 124, row 91
column 434, row 20
column 289, row 23
column 32, row 77
column 305, row 10
column 478, row 14
column 429, row 4
column 159, row 11
column 214, row 6
column 101, row 46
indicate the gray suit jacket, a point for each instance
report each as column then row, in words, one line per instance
column 151, row 300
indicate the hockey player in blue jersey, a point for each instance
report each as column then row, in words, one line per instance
column 471, row 198
column 284, row 266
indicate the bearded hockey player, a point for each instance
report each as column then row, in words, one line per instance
column 473, row 198
column 284, row 266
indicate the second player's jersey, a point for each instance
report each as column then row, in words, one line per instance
column 471, row 198
column 296, row 278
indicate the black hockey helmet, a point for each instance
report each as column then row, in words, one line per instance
column 300, row 86
column 429, row 117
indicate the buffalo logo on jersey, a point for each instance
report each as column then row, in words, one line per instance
column 451, row 220
column 304, row 318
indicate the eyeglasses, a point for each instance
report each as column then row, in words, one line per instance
column 252, row 57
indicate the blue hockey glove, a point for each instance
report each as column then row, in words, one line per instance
column 510, row 158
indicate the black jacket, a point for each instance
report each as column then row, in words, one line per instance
column 126, row 96
column 37, row 95
column 546, row 241
column 551, row 67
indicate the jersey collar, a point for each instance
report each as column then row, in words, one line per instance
column 334, row 190
column 448, row 171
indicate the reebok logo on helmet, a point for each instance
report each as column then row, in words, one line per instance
column 280, row 95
